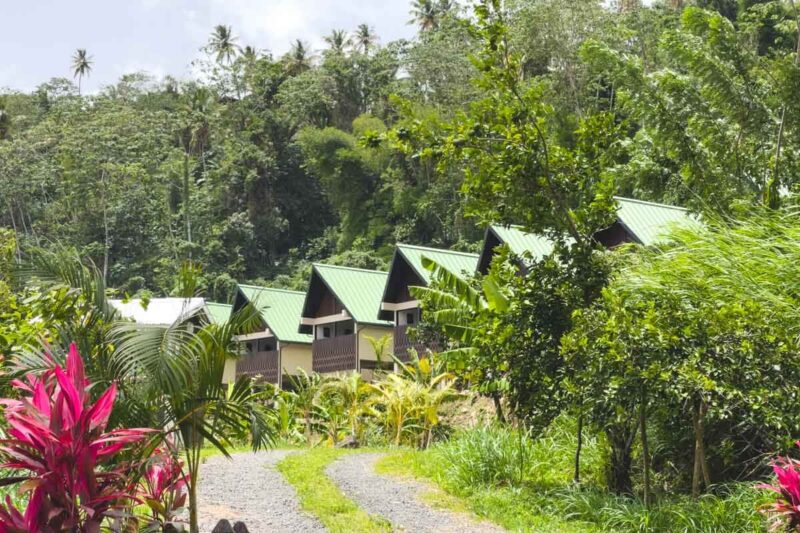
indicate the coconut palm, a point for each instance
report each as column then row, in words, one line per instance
column 223, row 43
column 298, row 59
column 337, row 41
column 81, row 65
column 425, row 13
column 180, row 370
column 364, row 38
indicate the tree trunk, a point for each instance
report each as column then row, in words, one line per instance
column 700, row 463
column 186, row 199
column 577, row 477
column 620, row 437
column 645, row 447
column 106, row 245
column 498, row 408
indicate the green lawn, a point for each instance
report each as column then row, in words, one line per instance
column 319, row 496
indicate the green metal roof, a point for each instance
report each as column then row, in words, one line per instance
column 218, row 313
column 280, row 309
column 521, row 241
column 360, row 291
column 456, row 262
column 648, row 221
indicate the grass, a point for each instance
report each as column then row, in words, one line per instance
column 476, row 469
column 319, row 496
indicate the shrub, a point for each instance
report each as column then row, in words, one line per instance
column 164, row 488
column 69, row 465
column 785, row 511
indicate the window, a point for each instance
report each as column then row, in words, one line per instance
column 326, row 332
column 410, row 319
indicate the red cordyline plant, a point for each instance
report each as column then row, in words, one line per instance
column 164, row 488
column 58, row 443
column 785, row 512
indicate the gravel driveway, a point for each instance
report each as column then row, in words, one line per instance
column 396, row 500
column 248, row 488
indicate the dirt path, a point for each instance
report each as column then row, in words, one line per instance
column 398, row 501
column 248, row 488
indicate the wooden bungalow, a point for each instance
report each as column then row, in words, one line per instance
column 397, row 304
column 637, row 222
column 277, row 350
column 340, row 314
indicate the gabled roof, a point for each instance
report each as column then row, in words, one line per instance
column 518, row 240
column 218, row 313
column 280, row 310
column 358, row 290
column 648, row 221
column 644, row 222
column 455, row 262
column 159, row 311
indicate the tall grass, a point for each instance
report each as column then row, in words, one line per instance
column 526, row 485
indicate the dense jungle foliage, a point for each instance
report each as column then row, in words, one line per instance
column 264, row 163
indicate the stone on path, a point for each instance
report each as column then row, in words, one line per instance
column 397, row 500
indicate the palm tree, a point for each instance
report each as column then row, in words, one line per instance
column 223, row 44
column 81, row 65
column 337, row 40
column 425, row 13
column 364, row 38
column 180, row 369
column 305, row 386
column 353, row 395
column 298, row 60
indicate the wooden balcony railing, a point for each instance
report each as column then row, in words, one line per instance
column 403, row 343
column 334, row 354
column 265, row 364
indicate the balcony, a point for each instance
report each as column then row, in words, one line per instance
column 403, row 343
column 265, row 364
column 334, row 354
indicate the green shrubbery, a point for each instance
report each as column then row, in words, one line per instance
column 526, row 484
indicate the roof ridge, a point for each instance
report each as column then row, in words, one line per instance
column 441, row 250
column 367, row 270
column 654, row 204
column 219, row 303
column 275, row 289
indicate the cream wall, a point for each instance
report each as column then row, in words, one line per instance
column 365, row 350
column 294, row 356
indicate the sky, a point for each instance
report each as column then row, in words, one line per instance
column 162, row 37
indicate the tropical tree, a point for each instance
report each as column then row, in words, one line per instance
column 305, row 388
column 337, row 41
column 354, row 395
column 298, row 59
column 180, row 370
column 364, row 38
column 81, row 65
column 425, row 13
column 222, row 43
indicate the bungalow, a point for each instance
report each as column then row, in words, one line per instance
column 163, row 312
column 397, row 304
column 340, row 313
column 277, row 349
column 637, row 222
